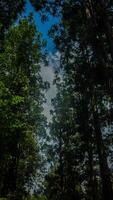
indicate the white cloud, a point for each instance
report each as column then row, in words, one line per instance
column 48, row 74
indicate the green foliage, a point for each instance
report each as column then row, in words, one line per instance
column 84, row 39
column 3, row 199
column 35, row 197
column 9, row 11
column 78, row 147
column 20, row 105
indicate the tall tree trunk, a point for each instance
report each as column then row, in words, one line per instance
column 61, row 165
column 104, row 169
column 92, row 190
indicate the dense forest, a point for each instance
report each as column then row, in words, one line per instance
column 70, row 157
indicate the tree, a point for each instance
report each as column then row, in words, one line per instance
column 93, row 65
column 20, row 105
column 9, row 11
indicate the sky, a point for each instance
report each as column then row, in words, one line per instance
column 42, row 27
column 47, row 72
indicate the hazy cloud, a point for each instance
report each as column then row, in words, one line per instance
column 48, row 74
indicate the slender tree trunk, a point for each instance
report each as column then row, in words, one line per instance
column 91, row 186
column 104, row 169
column 61, row 164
